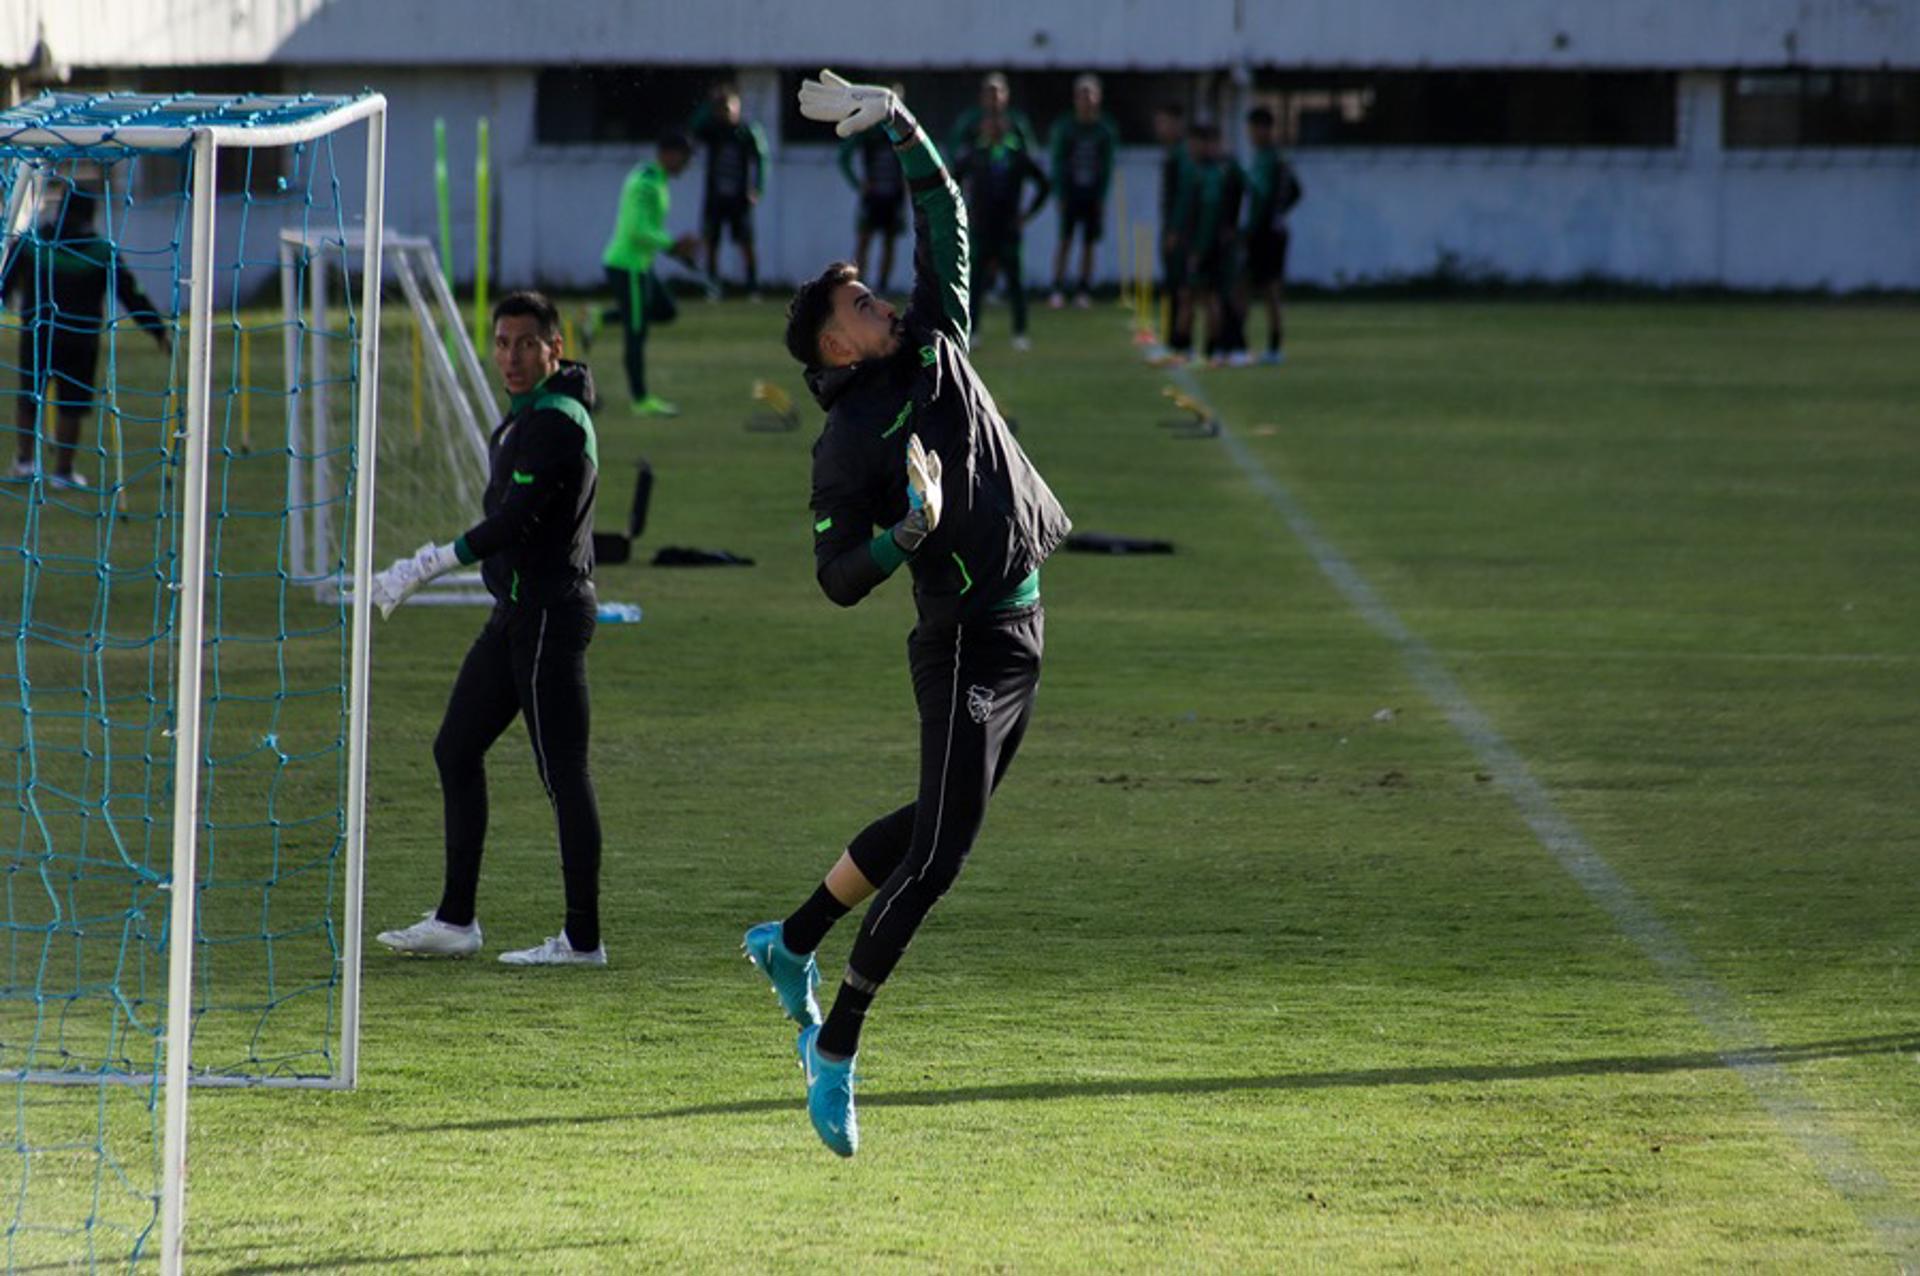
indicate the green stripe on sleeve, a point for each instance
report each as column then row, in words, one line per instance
column 823, row 525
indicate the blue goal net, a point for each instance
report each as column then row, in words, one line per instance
column 146, row 526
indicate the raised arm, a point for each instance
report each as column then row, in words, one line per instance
column 143, row 311
column 941, row 257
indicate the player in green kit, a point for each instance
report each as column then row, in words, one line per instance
column 736, row 178
column 640, row 301
column 1272, row 191
column 1209, row 217
column 1083, row 149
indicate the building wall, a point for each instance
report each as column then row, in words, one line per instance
column 1099, row 33
column 1691, row 215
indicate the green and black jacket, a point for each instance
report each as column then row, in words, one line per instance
column 536, row 542
column 1000, row 521
column 68, row 283
column 1272, row 191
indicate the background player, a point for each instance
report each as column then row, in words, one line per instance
column 68, row 285
column 640, row 300
column 995, row 175
column 904, row 410
column 736, row 177
column 1209, row 216
column 535, row 550
column 1083, row 148
column 1272, row 191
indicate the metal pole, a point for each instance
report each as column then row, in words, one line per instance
column 320, row 488
column 367, row 444
column 290, row 362
column 186, row 740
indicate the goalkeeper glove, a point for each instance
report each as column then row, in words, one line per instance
column 407, row 576
column 924, row 496
column 853, row 108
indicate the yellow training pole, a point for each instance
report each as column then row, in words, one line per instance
column 246, row 390
column 1120, row 235
column 566, row 331
column 418, row 399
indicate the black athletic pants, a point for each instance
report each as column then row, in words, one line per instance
column 975, row 687
column 532, row 661
column 640, row 301
column 1000, row 252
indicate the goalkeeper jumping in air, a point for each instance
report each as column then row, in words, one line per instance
column 535, row 550
column 914, row 446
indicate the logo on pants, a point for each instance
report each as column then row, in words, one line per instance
column 980, row 703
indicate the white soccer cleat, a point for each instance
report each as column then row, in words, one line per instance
column 1022, row 344
column 555, row 950
column 431, row 937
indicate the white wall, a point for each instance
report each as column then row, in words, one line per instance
column 1102, row 33
column 1690, row 215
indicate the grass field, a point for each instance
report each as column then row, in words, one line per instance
column 1244, row 973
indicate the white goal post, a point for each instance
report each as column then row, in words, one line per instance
column 435, row 465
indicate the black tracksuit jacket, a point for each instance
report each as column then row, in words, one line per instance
column 999, row 520
column 536, row 542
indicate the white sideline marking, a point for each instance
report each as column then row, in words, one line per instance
column 1735, row 1036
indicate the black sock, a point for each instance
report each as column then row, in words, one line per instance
column 803, row 931
column 840, row 1034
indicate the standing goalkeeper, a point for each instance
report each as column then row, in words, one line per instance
column 913, row 445
column 535, row 550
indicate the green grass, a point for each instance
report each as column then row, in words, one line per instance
column 1239, row 977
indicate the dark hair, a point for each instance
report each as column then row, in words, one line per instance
column 1204, row 131
column 811, row 307
column 1261, row 117
column 545, row 314
column 1173, row 110
column 674, row 140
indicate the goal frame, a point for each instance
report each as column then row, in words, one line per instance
column 455, row 378
column 206, row 142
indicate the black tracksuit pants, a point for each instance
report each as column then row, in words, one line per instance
column 975, row 687
column 533, row 661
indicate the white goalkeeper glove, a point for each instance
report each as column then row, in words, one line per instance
column 924, row 497
column 853, row 108
column 408, row 575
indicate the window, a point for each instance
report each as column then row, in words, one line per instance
column 1472, row 108
column 939, row 97
column 1822, row 108
column 583, row 105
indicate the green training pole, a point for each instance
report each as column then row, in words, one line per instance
column 443, row 198
column 482, row 180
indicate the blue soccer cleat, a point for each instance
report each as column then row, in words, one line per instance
column 829, row 1096
column 793, row 976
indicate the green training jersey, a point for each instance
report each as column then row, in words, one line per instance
column 640, row 229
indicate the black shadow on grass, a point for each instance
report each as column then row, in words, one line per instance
column 340, row 1262
column 1621, row 1065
